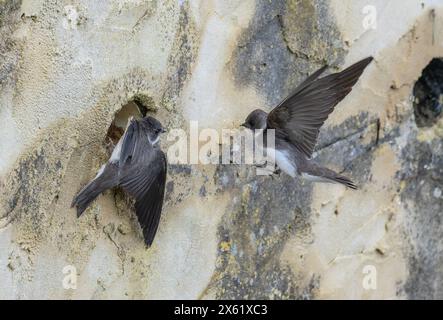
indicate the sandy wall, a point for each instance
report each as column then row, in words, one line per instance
column 66, row 69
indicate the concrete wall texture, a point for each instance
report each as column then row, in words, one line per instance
column 68, row 66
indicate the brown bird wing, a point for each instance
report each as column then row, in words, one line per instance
column 146, row 183
column 298, row 118
column 143, row 176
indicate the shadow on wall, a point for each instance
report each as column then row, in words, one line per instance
column 428, row 94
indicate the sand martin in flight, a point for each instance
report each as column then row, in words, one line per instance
column 298, row 118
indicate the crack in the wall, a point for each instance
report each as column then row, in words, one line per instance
column 109, row 230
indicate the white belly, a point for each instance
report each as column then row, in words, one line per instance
column 99, row 173
column 115, row 156
column 284, row 162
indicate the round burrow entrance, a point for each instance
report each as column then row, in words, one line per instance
column 137, row 108
column 428, row 94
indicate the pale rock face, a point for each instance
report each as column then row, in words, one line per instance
column 67, row 69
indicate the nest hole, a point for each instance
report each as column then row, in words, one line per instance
column 137, row 107
column 428, row 94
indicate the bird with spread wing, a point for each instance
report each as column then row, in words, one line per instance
column 298, row 118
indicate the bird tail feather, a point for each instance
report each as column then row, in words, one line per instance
column 321, row 174
column 103, row 181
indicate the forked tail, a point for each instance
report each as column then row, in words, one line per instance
column 321, row 174
column 105, row 179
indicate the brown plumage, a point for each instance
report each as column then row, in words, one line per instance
column 138, row 165
column 298, row 118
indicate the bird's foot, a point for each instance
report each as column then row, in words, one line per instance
column 276, row 173
column 264, row 169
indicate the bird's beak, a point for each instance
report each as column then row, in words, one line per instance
column 163, row 130
column 243, row 125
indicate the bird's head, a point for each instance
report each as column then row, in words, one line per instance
column 154, row 128
column 256, row 120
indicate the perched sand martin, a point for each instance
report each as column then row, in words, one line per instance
column 138, row 165
column 298, row 118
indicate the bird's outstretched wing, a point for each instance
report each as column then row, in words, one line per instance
column 298, row 118
column 146, row 183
